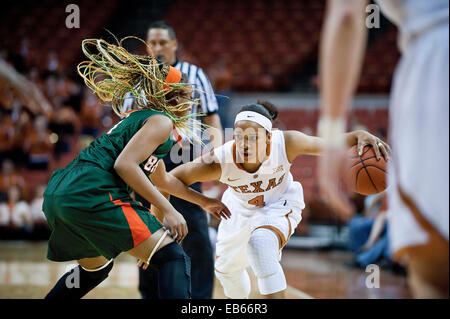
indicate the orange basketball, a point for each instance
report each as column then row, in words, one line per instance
column 365, row 174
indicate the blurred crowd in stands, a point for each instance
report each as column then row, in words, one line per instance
column 34, row 141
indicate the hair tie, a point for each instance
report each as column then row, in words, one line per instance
column 173, row 76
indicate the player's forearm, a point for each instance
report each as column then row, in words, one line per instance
column 159, row 215
column 348, row 139
column 136, row 179
column 185, row 174
column 341, row 54
column 178, row 188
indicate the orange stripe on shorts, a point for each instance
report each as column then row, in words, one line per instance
column 139, row 230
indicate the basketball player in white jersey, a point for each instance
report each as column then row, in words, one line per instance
column 264, row 200
column 418, row 199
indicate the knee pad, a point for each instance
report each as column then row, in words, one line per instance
column 263, row 254
column 174, row 272
column 235, row 285
column 273, row 282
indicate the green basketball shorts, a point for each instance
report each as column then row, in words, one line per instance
column 91, row 214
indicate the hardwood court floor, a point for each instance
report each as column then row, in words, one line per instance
column 26, row 273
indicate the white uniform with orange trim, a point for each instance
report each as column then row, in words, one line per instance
column 419, row 120
column 267, row 198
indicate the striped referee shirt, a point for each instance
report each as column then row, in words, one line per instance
column 203, row 90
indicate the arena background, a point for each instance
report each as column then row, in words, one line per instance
column 252, row 49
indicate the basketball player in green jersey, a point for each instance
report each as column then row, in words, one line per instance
column 88, row 204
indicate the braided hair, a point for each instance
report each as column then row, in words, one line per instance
column 112, row 72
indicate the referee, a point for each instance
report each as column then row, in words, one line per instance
column 162, row 41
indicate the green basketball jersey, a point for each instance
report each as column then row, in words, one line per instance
column 88, row 206
column 105, row 149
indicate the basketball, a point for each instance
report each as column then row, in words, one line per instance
column 365, row 174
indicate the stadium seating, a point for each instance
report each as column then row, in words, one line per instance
column 43, row 24
column 268, row 42
column 264, row 41
column 379, row 64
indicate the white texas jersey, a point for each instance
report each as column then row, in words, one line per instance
column 271, row 182
column 414, row 17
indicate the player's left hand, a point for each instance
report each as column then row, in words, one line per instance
column 381, row 148
column 216, row 208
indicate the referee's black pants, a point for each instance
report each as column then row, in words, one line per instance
column 197, row 246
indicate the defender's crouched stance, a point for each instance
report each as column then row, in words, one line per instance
column 265, row 200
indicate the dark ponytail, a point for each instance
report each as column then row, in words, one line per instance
column 262, row 107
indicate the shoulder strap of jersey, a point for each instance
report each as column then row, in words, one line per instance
column 279, row 143
column 223, row 152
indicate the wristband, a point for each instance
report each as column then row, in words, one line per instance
column 332, row 131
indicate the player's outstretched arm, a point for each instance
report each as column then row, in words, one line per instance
column 27, row 91
column 204, row 168
column 298, row 143
column 341, row 54
column 169, row 183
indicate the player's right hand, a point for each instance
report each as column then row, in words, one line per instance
column 176, row 224
column 216, row 208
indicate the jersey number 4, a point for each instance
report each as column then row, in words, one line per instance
column 257, row 201
column 151, row 164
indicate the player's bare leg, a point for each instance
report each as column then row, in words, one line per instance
column 92, row 263
column 428, row 270
column 145, row 248
column 422, row 288
column 428, row 264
